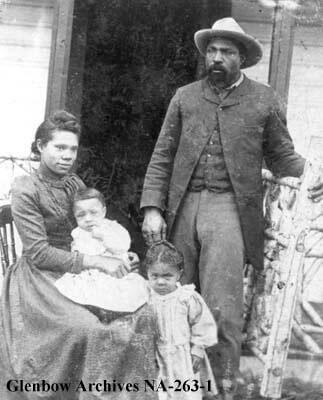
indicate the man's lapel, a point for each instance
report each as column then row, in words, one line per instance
column 208, row 93
column 234, row 97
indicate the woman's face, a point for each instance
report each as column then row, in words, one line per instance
column 59, row 153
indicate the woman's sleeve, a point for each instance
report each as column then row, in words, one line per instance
column 204, row 331
column 31, row 228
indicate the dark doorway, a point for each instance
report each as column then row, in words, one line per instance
column 138, row 52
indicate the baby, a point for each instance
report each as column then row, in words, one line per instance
column 185, row 325
column 97, row 235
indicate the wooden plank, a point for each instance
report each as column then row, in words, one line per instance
column 261, row 31
column 24, row 57
column 281, row 51
column 311, row 57
column 60, row 55
column 304, row 103
column 248, row 10
column 308, row 13
column 290, row 267
column 32, row 3
column 17, row 15
column 306, row 36
column 24, row 36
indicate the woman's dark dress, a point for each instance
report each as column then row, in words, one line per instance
column 44, row 335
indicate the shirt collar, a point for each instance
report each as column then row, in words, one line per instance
column 229, row 88
column 236, row 83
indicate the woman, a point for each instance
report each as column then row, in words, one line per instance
column 44, row 335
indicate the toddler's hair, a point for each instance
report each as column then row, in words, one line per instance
column 163, row 252
column 88, row 193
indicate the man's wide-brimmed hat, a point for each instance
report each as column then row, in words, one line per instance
column 228, row 28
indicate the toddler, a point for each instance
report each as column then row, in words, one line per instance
column 185, row 325
column 97, row 235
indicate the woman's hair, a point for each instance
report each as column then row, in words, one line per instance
column 88, row 193
column 165, row 253
column 59, row 120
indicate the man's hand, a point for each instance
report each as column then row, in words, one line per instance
column 196, row 363
column 154, row 226
column 315, row 191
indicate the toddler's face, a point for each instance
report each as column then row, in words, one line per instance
column 89, row 213
column 163, row 277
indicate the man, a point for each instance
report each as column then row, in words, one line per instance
column 205, row 177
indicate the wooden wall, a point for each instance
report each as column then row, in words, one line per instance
column 305, row 105
column 305, row 97
column 25, row 39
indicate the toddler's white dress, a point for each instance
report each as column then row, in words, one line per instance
column 185, row 327
column 96, row 288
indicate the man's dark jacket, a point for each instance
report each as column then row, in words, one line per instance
column 252, row 127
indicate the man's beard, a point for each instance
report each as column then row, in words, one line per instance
column 218, row 75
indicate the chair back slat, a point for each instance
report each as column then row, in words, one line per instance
column 7, row 249
column 2, row 254
column 13, row 243
column 5, row 243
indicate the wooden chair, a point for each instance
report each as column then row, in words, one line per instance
column 7, row 249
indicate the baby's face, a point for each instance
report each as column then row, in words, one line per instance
column 89, row 213
column 163, row 277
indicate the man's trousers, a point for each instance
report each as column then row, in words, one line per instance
column 207, row 231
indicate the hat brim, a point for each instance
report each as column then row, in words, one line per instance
column 253, row 47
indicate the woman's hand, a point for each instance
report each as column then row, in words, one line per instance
column 109, row 265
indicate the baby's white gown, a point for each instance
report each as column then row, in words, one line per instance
column 185, row 327
column 96, row 288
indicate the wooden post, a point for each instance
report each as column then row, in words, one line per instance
column 281, row 51
column 60, row 55
column 289, row 268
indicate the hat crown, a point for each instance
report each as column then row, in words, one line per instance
column 227, row 24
